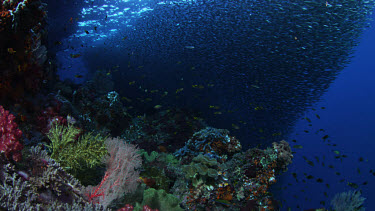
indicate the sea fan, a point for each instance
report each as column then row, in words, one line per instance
column 121, row 175
column 348, row 201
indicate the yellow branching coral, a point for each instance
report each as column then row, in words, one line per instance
column 75, row 153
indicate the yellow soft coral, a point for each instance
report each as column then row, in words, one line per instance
column 75, row 153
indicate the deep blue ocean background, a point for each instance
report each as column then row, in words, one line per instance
column 349, row 119
column 345, row 113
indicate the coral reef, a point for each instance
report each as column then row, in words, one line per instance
column 165, row 131
column 209, row 172
column 101, row 111
column 23, row 54
column 41, row 185
column 214, row 142
column 229, row 184
column 9, row 136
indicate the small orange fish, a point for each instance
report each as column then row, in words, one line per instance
column 78, row 76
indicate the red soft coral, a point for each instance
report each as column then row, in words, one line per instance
column 9, row 136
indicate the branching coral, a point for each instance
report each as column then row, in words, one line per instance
column 42, row 186
column 16, row 194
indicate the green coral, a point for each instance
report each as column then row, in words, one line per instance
column 167, row 158
column 74, row 154
column 201, row 170
column 171, row 159
column 149, row 158
column 205, row 160
column 154, row 164
column 158, row 175
column 159, row 199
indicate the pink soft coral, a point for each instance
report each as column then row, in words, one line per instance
column 9, row 136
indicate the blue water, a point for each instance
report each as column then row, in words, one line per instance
column 349, row 120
